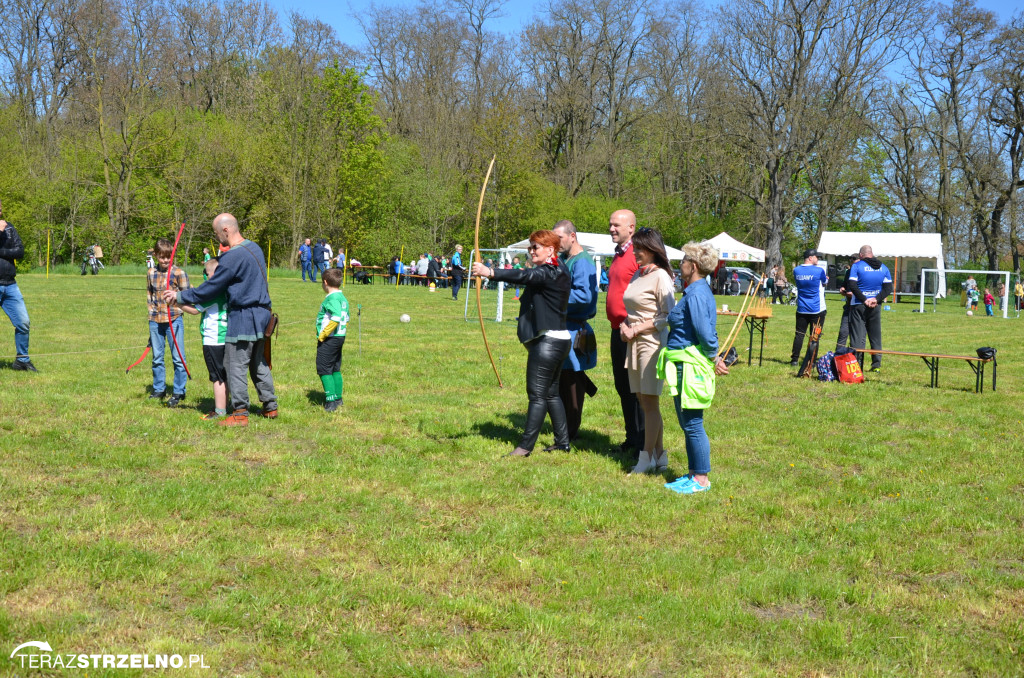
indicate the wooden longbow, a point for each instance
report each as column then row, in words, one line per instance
column 479, row 281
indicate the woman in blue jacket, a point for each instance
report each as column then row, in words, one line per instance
column 689, row 361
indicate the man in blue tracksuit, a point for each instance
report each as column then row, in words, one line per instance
column 573, row 383
column 458, row 270
column 810, row 282
column 870, row 282
column 306, row 259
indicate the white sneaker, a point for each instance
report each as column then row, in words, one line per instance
column 661, row 463
column 644, row 464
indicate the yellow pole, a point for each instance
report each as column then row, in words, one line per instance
column 47, row 254
column 398, row 278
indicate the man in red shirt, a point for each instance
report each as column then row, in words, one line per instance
column 621, row 226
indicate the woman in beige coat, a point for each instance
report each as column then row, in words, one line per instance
column 648, row 298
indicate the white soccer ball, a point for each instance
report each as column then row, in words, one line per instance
column 404, row 317
column 969, row 312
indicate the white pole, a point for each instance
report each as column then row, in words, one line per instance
column 1006, row 296
column 469, row 284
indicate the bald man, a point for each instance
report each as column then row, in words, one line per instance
column 242, row 276
column 621, row 226
column 870, row 282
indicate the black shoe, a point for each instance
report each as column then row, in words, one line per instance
column 160, row 396
column 24, row 366
column 794, row 363
column 332, row 406
column 175, row 399
column 627, row 446
column 556, row 448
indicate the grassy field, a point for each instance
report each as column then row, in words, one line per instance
column 851, row 530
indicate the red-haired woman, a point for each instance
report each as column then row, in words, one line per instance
column 542, row 307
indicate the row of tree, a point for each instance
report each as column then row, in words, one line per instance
column 770, row 119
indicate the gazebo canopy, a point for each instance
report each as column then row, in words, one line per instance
column 923, row 247
column 733, row 250
column 597, row 245
column 916, row 245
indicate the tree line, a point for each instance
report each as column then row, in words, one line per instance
column 770, row 119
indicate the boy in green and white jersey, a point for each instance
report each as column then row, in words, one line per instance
column 214, row 329
column 330, row 331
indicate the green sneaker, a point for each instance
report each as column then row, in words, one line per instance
column 875, row 370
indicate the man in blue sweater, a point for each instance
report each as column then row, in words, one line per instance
column 810, row 282
column 306, row 259
column 870, row 283
column 241, row 274
column 573, row 383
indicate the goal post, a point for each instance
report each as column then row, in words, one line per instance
column 1001, row 274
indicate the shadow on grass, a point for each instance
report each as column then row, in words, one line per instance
column 586, row 441
column 316, row 397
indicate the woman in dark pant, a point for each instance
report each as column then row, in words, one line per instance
column 542, row 331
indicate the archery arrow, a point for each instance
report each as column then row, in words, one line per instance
column 479, row 281
column 170, row 322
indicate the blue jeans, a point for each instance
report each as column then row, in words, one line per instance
column 322, row 266
column 307, row 267
column 698, row 447
column 14, row 306
column 159, row 334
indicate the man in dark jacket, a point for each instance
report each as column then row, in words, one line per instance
column 11, row 248
column 844, row 324
column 318, row 258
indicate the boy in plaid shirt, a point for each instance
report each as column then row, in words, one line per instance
column 160, row 318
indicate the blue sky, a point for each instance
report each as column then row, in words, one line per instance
column 517, row 14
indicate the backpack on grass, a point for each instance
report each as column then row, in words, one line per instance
column 826, row 367
column 849, row 369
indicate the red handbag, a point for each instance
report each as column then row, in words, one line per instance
column 849, row 369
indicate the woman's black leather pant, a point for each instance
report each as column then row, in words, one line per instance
column 543, row 367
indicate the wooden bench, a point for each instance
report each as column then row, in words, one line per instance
column 932, row 361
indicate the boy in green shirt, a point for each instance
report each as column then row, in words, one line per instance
column 214, row 329
column 330, row 330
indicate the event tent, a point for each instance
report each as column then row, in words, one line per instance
column 732, row 249
column 911, row 252
column 596, row 244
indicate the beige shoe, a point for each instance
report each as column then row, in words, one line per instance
column 661, row 463
column 644, row 464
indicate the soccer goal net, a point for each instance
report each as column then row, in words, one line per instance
column 965, row 289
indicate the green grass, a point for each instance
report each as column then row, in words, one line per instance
column 851, row 530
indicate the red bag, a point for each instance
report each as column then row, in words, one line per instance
column 849, row 369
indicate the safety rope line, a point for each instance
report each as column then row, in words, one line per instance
column 98, row 350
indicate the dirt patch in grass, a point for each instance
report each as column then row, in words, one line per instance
column 786, row 611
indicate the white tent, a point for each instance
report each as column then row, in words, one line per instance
column 911, row 252
column 596, row 244
column 732, row 249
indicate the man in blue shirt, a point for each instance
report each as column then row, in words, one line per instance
column 573, row 383
column 306, row 259
column 810, row 282
column 870, row 283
